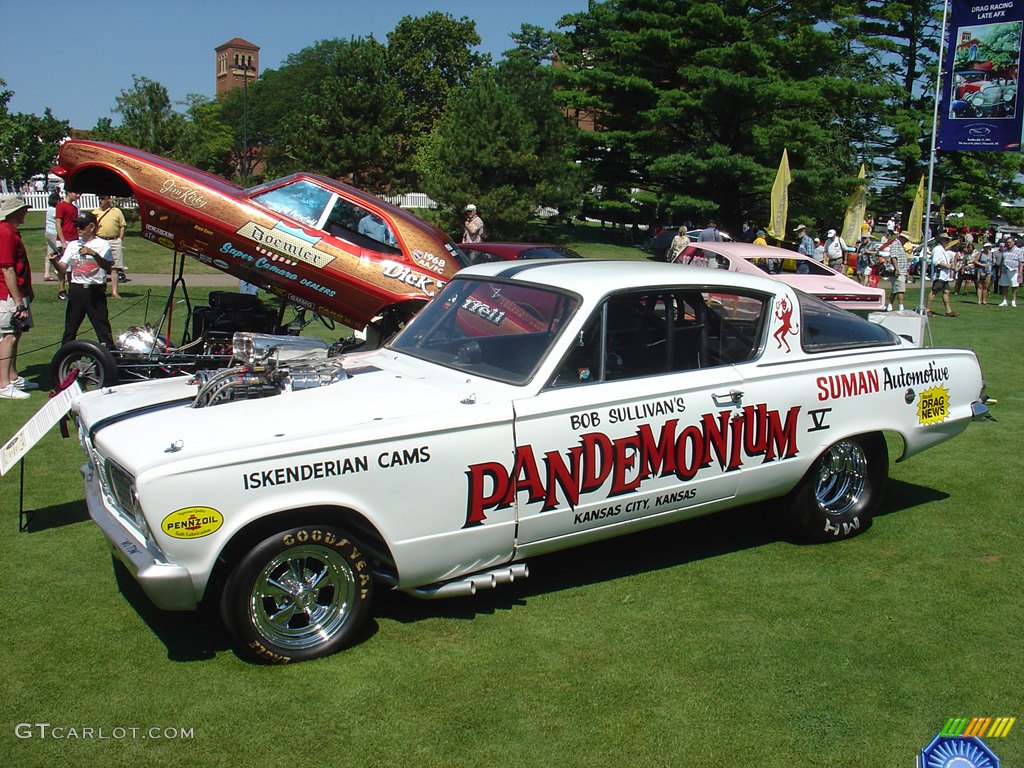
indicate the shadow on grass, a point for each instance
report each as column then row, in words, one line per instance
column 200, row 636
column 57, row 516
column 642, row 552
column 187, row 635
column 669, row 546
column 901, row 496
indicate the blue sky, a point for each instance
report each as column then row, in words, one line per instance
column 77, row 57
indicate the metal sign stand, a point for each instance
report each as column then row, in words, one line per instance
column 24, row 516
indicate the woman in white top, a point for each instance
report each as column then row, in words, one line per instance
column 51, row 235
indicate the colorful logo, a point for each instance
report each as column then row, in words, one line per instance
column 192, row 522
column 957, row 752
column 989, row 727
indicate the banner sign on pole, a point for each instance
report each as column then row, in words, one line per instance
column 981, row 106
column 779, row 204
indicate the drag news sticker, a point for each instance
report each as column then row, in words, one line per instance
column 933, row 406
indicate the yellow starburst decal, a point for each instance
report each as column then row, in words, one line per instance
column 933, row 406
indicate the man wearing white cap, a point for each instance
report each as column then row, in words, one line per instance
column 473, row 228
column 835, row 251
column 15, row 296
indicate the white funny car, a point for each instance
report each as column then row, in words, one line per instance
column 530, row 407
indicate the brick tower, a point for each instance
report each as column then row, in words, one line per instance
column 237, row 60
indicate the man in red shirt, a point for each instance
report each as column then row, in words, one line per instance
column 15, row 296
column 67, row 232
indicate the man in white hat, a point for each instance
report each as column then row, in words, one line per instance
column 15, row 296
column 473, row 228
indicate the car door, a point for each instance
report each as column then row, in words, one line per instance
column 639, row 420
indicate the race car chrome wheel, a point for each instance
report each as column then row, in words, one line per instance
column 299, row 594
column 95, row 364
column 842, row 477
column 839, row 495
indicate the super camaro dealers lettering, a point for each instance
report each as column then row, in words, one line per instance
column 627, row 462
column 300, row 473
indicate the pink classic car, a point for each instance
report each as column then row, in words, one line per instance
column 791, row 268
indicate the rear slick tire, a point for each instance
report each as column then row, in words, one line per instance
column 841, row 492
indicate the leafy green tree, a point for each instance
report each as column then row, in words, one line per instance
column 430, row 57
column 206, row 141
column 28, row 143
column 505, row 145
column 349, row 125
column 148, row 119
column 695, row 100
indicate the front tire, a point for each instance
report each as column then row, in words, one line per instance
column 95, row 364
column 298, row 595
column 841, row 492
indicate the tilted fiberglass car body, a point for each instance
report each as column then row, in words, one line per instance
column 314, row 241
column 530, row 407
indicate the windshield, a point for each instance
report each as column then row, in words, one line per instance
column 326, row 210
column 488, row 328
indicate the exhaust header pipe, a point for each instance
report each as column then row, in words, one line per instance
column 471, row 584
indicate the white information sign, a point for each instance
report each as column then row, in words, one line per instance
column 30, row 434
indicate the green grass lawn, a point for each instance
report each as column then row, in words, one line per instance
column 708, row 643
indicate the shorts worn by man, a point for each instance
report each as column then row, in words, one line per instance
column 110, row 225
column 87, row 263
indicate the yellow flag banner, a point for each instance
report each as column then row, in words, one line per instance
column 780, row 200
column 856, row 208
column 915, row 224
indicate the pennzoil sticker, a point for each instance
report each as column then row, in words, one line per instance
column 192, row 522
column 933, row 406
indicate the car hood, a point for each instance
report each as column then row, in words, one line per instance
column 147, row 425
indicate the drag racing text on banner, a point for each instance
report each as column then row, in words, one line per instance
column 980, row 108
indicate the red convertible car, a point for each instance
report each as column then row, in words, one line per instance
column 314, row 241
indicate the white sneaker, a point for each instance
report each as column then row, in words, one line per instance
column 888, row 307
column 24, row 384
column 901, row 308
column 1003, row 304
column 1013, row 303
column 10, row 392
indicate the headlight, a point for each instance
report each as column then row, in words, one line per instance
column 119, row 487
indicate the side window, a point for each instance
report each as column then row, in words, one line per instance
column 652, row 332
column 349, row 220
